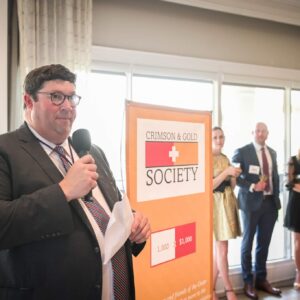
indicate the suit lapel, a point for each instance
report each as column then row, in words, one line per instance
column 271, row 154
column 107, row 191
column 253, row 155
column 273, row 160
column 31, row 145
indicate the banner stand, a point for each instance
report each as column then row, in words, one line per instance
column 169, row 179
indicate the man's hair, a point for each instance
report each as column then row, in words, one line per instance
column 217, row 128
column 36, row 78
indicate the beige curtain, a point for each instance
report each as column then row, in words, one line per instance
column 54, row 31
column 15, row 111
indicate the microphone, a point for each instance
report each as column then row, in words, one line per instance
column 81, row 142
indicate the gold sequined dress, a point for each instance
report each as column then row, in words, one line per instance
column 226, row 222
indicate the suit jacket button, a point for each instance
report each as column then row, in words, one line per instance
column 97, row 250
column 97, row 286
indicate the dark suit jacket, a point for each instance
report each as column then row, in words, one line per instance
column 48, row 249
column 251, row 201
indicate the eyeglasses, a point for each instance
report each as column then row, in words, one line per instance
column 58, row 98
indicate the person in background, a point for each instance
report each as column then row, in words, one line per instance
column 52, row 238
column 226, row 223
column 292, row 219
column 259, row 202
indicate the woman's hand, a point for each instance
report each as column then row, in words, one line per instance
column 233, row 171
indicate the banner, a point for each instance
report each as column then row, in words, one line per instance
column 169, row 179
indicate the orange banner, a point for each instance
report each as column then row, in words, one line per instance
column 169, row 179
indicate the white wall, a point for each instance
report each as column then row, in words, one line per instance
column 162, row 27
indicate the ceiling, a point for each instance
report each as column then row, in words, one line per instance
column 282, row 11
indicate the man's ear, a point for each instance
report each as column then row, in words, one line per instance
column 28, row 101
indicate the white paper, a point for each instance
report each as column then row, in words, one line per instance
column 118, row 228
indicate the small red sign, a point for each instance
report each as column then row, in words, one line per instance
column 185, row 236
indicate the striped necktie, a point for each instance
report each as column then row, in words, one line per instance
column 119, row 260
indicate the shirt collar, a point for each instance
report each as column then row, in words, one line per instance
column 259, row 147
column 65, row 144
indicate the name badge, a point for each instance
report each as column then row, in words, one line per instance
column 254, row 169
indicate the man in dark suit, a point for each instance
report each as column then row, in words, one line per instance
column 259, row 202
column 51, row 246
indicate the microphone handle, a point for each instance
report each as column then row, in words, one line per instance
column 88, row 197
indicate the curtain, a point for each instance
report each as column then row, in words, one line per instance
column 15, row 107
column 4, row 42
column 53, row 31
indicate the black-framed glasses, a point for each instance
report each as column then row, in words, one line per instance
column 58, row 98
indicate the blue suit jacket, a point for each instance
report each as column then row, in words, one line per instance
column 251, row 201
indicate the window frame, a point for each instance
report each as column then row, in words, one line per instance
column 218, row 72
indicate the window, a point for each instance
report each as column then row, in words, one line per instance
column 242, row 107
column 174, row 92
column 101, row 111
column 193, row 83
column 295, row 122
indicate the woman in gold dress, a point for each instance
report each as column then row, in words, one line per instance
column 226, row 223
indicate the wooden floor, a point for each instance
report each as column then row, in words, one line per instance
column 288, row 293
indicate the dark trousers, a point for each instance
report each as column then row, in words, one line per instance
column 261, row 223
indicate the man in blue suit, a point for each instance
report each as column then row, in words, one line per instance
column 259, row 202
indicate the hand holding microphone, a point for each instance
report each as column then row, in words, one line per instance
column 82, row 177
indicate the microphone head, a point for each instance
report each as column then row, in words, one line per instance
column 81, row 141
